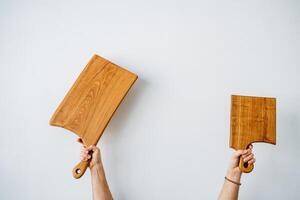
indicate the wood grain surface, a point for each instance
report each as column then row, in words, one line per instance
column 91, row 102
column 253, row 119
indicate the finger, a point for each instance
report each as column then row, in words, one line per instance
column 248, row 158
column 238, row 153
column 247, row 153
column 81, row 154
column 252, row 161
column 84, row 154
column 85, row 157
column 84, row 150
column 82, row 158
column 94, row 148
column 90, row 148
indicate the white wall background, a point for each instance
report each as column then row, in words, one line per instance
column 169, row 138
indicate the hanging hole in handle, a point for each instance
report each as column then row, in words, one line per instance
column 246, row 164
column 78, row 171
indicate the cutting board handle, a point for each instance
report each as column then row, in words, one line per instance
column 244, row 166
column 80, row 169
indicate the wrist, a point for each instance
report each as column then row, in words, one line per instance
column 96, row 166
column 234, row 174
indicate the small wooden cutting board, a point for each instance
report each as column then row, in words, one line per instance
column 253, row 119
column 91, row 102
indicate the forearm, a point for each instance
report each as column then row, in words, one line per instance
column 99, row 184
column 230, row 190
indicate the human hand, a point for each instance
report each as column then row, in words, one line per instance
column 234, row 171
column 91, row 153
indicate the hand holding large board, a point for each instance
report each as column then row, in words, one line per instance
column 91, row 102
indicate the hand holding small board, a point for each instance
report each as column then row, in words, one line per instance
column 253, row 119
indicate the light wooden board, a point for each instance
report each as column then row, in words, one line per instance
column 91, row 102
column 253, row 119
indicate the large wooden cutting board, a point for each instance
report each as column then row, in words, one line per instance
column 253, row 119
column 91, row 102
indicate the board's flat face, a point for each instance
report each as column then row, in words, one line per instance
column 93, row 99
column 253, row 119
